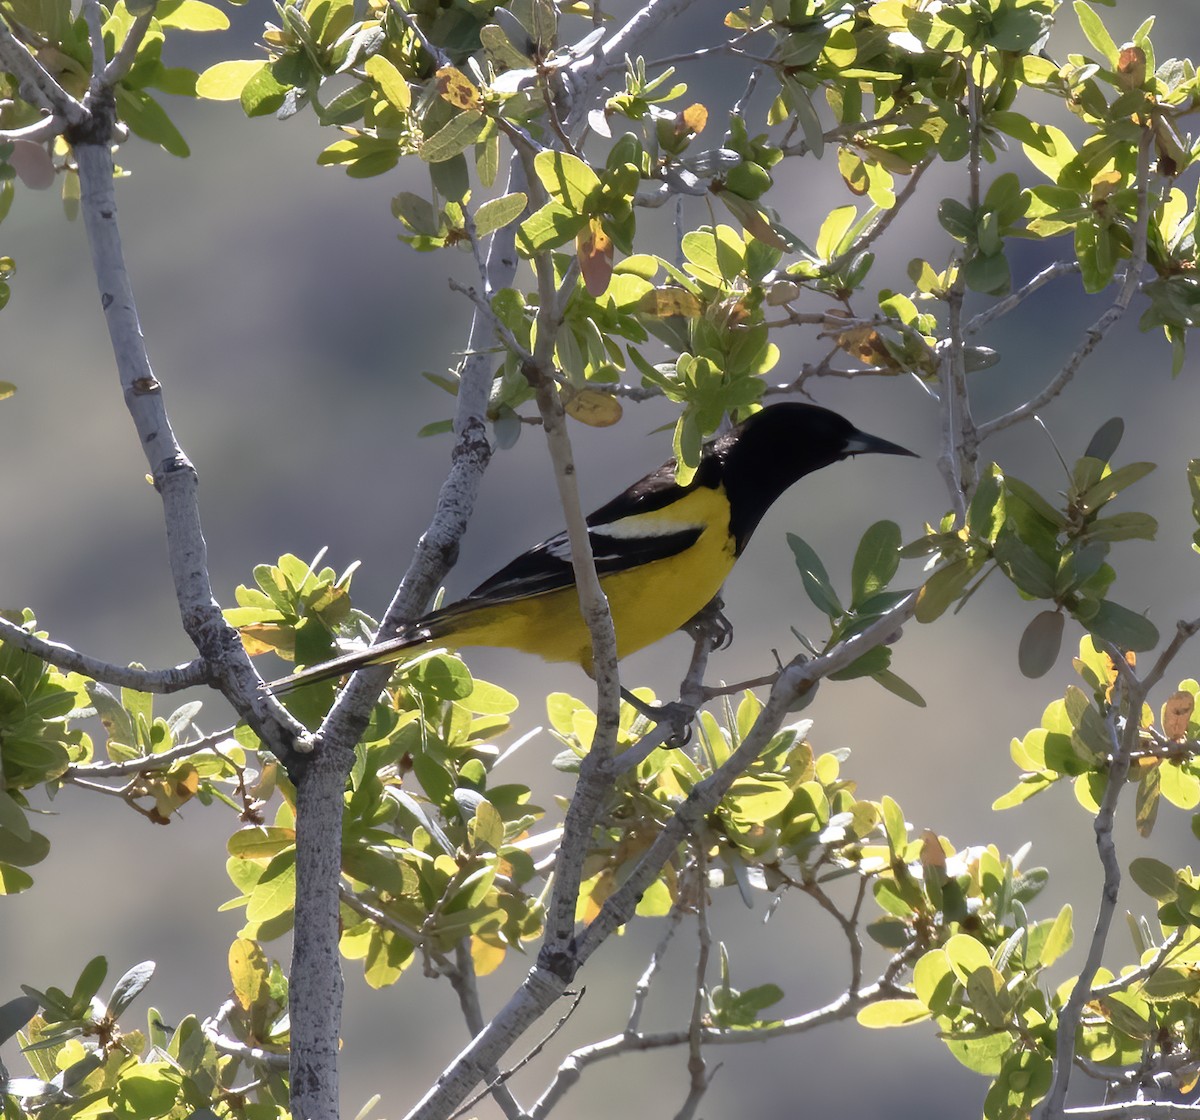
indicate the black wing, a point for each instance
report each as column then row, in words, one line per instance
column 547, row 566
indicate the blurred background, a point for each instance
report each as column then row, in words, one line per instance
column 290, row 330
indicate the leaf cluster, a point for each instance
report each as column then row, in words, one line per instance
column 1049, row 552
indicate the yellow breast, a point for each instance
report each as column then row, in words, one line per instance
column 647, row 602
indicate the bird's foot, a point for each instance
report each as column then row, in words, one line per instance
column 675, row 714
column 710, row 624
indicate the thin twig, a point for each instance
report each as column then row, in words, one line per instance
column 533, row 1053
column 879, row 226
column 641, row 990
column 145, row 763
column 1095, row 334
column 844, row 1007
column 462, row 979
column 1011, row 301
column 439, row 56
column 158, row 681
column 1123, row 741
column 211, row 1029
column 384, row 920
column 1132, row 1110
column 1142, row 972
column 698, row 1075
column 94, row 18
column 122, row 62
column 40, row 131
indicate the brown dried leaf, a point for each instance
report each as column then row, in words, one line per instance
column 692, row 119
column 454, row 86
column 662, row 303
column 865, row 344
column 595, row 250
column 1177, row 714
column 932, row 853
column 1131, row 67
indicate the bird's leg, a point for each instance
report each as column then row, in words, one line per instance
column 711, row 624
column 676, row 714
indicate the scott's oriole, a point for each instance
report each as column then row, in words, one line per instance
column 662, row 550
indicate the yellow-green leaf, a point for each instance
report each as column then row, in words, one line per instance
column 892, row 1013
column 226, row 80
column 391, row 83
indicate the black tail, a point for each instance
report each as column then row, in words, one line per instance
column 380, row 654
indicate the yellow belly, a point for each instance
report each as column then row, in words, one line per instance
column 647, row 603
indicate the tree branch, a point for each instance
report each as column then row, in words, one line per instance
column 316, row 984
column 160, row 761
column 159, row 681
column 34, row 82
column 1094, row 335
column 698, row 1076
column 571, row 1069
column 543, row 985
column 1123, row 742
column 462, row 979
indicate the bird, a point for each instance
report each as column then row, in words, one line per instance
column 662, row 549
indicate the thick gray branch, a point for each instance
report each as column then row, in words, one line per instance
column 173, row 474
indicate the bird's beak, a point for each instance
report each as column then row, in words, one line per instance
column 863, row 444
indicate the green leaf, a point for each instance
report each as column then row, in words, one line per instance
column 1123, row 627
column 455, row 136
column 486, row 828
column 15, row 1014
column 956, row 219
column 895, row 826
column 262, row 94
column 988, row 273
column 1024, row 566
column 146, row 118
column 1113, row 483
column 549, row 227
column 129, row 987
column 12, row 817
column 498, row 212
column 755, row 801
column 1059, row 939
column 875, row 561
column 1156, row 878
column 985, row 990
column 567, row 179
column 892, row 1013
column 897, row 686
column 816, row 579
column 1097, row 34
column 966, row 955
column 1040, row 644
column 1122, row 527
column 1104, row 443
column 933, row 981
column 23, row 853
column 147, row 1091
column 275, row 893
column 943, row 588
column 383, row 72
column 226, row 80
column 190, row 15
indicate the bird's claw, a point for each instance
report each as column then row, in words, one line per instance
column 675, row 714
column 710, row 624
